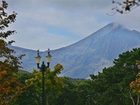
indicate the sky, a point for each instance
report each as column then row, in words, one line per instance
column 43, row 24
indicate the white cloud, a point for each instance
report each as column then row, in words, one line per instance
column 131, row 19
column 43, row 43
column 82, row 22
column 80, row 17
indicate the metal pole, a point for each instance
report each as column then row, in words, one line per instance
column 46, row 101
column 43, row 88
column 43, row 83
column 48, row 65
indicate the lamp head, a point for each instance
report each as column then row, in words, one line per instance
column 37, row 58
column 49, row 57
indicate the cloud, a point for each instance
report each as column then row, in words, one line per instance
column 64, row 3
column 130, row 20
column 38, row 42
column 71, row 20
column 80, row 21
column 80, row 4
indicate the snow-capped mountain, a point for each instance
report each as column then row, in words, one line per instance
column 91, row 54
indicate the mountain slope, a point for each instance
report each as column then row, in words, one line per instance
column 91, row 54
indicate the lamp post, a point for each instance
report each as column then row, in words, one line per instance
column 42, row 68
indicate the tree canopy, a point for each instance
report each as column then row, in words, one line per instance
column 10, row 87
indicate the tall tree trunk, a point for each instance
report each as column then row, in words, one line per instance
column 132, row 99
column 138, row 100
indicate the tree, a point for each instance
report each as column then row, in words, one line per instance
column 135, row 86
column 124, row 6
column 10, row 87
column 112, row 85
column 32, row 95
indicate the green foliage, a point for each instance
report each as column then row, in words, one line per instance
column 10, row 87
column 75, row 92
column 110, row 87
column 32, row 95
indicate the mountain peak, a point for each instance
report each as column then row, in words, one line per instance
column 91, row 54
column 115, row 25
column 109, row 28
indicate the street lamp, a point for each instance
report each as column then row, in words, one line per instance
column 42, row 68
